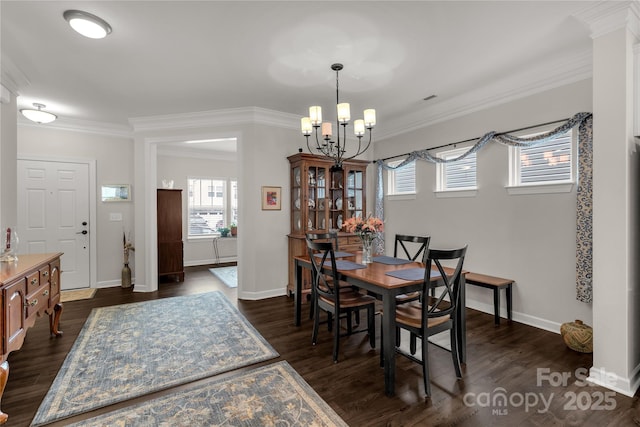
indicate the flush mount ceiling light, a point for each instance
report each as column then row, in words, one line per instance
column 87, row 24
column 38, row 115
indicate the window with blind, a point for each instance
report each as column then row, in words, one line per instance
column 459, row 175
column 402, row 180
column 550, row 162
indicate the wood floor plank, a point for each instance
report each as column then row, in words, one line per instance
column 505, row 357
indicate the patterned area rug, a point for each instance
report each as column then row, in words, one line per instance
column 130, row 350
column 77, row 294
column 228, row 275
column 273, row 395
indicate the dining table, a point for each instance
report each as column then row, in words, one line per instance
column 380, row 278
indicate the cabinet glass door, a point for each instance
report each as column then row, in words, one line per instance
column 296, row 197
column 316, row 201
column 355, row 194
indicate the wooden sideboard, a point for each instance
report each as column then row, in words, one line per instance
column 30, row 287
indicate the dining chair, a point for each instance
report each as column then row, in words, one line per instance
column 434, row 314
column 412, row 247
column 331, row 236
column 337, row 303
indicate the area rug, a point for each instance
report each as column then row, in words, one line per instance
column 77, row 294
column 228, row 275
column 272, row 395
column 129, row 350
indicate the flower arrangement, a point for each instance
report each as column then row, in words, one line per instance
column 368, row 227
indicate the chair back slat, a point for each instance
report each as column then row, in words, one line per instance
column 402, row 239
column 449, row 284
column 324, row 282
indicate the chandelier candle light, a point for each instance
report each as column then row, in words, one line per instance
column 367, row 229
column 336, row 150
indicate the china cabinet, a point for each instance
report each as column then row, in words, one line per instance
column 322, row 199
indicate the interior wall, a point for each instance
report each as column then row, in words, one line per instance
column 114, row 165
column 261, row 157
column 8, row 170
column 170, row 167
column 528, row 238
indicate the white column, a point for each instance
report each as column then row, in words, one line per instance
column 616, row 322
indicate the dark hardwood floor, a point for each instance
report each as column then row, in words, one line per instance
column 508, row 361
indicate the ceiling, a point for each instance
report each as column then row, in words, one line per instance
column 175, row 57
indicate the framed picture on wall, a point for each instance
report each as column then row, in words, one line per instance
column 271, row 198
column 116, row 193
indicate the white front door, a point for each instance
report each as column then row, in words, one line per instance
column 53, row 215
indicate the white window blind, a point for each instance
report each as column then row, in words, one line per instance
column 458, row 175
column 402, row 180
column 546, row 162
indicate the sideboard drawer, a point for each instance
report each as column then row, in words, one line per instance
column 38, row 301
column 33, row 282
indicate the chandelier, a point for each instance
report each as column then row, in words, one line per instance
column 336, row 150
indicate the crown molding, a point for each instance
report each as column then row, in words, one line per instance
column 86, row 126
column 11, row 77
column 193, row 153
column 607, row 16
column 530, row 81
column 231, row 116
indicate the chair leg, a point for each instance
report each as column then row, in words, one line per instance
column 349, row 322
column 425, row 366
column 329, row 321
column 413, row 344
column 371, row 320
column 398, row 342
column 336, row 337
column 316, row 325
column 454, row 351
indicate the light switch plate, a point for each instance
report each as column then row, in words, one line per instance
column 115, row 216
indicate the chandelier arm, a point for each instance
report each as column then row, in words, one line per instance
column 365, row 149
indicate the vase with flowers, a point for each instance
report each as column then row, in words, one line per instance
column 368, row 230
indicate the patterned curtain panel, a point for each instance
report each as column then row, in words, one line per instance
column 378, row 244
column 584, row 217
column 584, row 121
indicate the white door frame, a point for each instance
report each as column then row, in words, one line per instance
column 93, row 224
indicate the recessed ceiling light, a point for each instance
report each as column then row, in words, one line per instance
column 38, row 115
column 87, row 24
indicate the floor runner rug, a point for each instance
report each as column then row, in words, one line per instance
column 129, row 350
column 272, row 395
column 228, row 275
column 77, row 294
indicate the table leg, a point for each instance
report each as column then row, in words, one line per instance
column 54, row 320
column 509, row 301
column 4, row 376
column 297, row 297
column 496, row 306
column 389, row 342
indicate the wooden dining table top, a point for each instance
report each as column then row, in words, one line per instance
column 376, row 272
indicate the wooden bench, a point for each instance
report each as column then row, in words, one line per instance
column 495, row 283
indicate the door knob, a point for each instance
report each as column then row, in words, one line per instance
column 82, row 232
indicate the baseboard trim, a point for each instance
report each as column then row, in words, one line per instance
column 604, row 378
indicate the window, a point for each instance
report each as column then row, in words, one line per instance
column 402, row 180
column 213, row 204
column 459, row 175
column 544, row 164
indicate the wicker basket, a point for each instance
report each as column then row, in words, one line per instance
column 577, row 336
